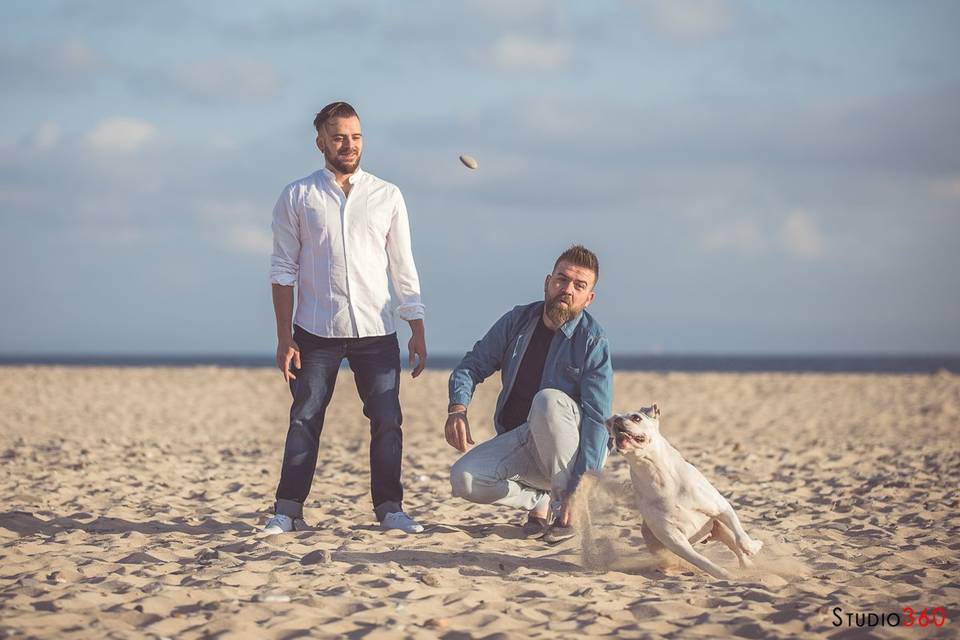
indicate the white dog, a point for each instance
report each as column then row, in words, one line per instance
column 678, row 505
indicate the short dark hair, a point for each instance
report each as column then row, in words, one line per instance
column 333, row 110
column 579, row 256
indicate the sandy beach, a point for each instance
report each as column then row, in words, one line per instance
column 132, row 499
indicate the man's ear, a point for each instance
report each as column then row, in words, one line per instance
column 593, row 294
column 320, row 143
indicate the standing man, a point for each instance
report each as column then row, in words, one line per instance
column 557, row 391
column 337, row 235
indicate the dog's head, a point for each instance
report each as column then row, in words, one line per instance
column 634, row 431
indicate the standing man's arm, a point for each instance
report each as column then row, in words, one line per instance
column 284, row 270
column 596, row 404
column 287, row 349
column 406, row 282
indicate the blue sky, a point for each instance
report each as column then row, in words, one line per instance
column 755, row 176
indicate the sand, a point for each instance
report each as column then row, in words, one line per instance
column 132, row 499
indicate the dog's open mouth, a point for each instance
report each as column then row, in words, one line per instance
column 625, row 440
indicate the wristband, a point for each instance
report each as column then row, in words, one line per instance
column 455, row 413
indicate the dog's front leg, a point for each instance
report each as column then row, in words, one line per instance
column 674, row 540
column 721, row 533
column 729, row 517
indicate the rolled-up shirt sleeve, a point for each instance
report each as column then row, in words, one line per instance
column 285, row 260
column 403, row 271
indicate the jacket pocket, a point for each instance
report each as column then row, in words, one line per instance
column 571, row 372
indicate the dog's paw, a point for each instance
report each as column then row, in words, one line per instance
column 750, row 546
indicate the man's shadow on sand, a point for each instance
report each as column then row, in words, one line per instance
column 25, row 523
column 488, row 563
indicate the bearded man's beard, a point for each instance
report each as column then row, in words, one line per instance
column 561, row 314
column 343, row 164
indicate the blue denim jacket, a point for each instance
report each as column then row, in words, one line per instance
column 578, row 363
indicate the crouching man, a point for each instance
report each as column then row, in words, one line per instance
column 557, row 390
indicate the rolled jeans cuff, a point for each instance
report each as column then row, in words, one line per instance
column 290, row 508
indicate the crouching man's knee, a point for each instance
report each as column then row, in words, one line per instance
column 552, row 409
column 461, row 481
column 469, row 484
column 547, row 401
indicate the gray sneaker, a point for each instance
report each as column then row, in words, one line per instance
column 280, row 523
column 556, row 534
column 400, row 520
column 535, row 526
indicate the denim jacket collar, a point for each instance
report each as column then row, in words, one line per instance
column 568, row 327
column 571, row 325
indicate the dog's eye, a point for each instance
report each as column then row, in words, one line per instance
column 635, row 417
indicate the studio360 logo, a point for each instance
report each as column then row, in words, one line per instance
column 906, row 617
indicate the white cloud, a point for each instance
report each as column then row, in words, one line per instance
column 67, row 63
column 742, row 236
column 73, row 55
column 104, row 237
column 249, row 239
column 235, row 210
column 44, row 137
column 510, row 11
column 550, row 118
column 946, row 189
column 800, row 236
column 516, row 52
column 120, row 135
column 223, row 143
column 689, row 19
column 228, row 78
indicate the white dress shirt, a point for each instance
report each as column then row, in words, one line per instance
column 338, row 250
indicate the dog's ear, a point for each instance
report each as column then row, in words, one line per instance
column 656, row 410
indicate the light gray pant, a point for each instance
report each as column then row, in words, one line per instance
column 523, row 467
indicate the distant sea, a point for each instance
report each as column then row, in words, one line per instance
column 659, row 362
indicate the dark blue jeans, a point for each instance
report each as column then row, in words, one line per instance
column 375, row 362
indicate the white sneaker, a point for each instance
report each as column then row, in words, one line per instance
column 400, row 520
column 279, row 523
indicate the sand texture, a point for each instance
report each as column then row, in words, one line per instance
column 132, row 499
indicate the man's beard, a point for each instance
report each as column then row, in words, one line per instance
column 561, row 314
column 341, row 164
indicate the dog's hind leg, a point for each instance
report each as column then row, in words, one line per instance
column 729, row 517
column 676, row 542
column 658, row 550
column 723, row 534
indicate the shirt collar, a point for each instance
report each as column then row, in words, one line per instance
column 571, row 325
column 356, row 175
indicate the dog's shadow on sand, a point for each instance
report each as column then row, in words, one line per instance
column 25, row 523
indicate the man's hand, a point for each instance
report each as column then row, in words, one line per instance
column 457, row 429
column 417, row 347
column 288, row 350
column 566, row 510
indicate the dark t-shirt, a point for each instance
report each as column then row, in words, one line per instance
column 527, row 383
